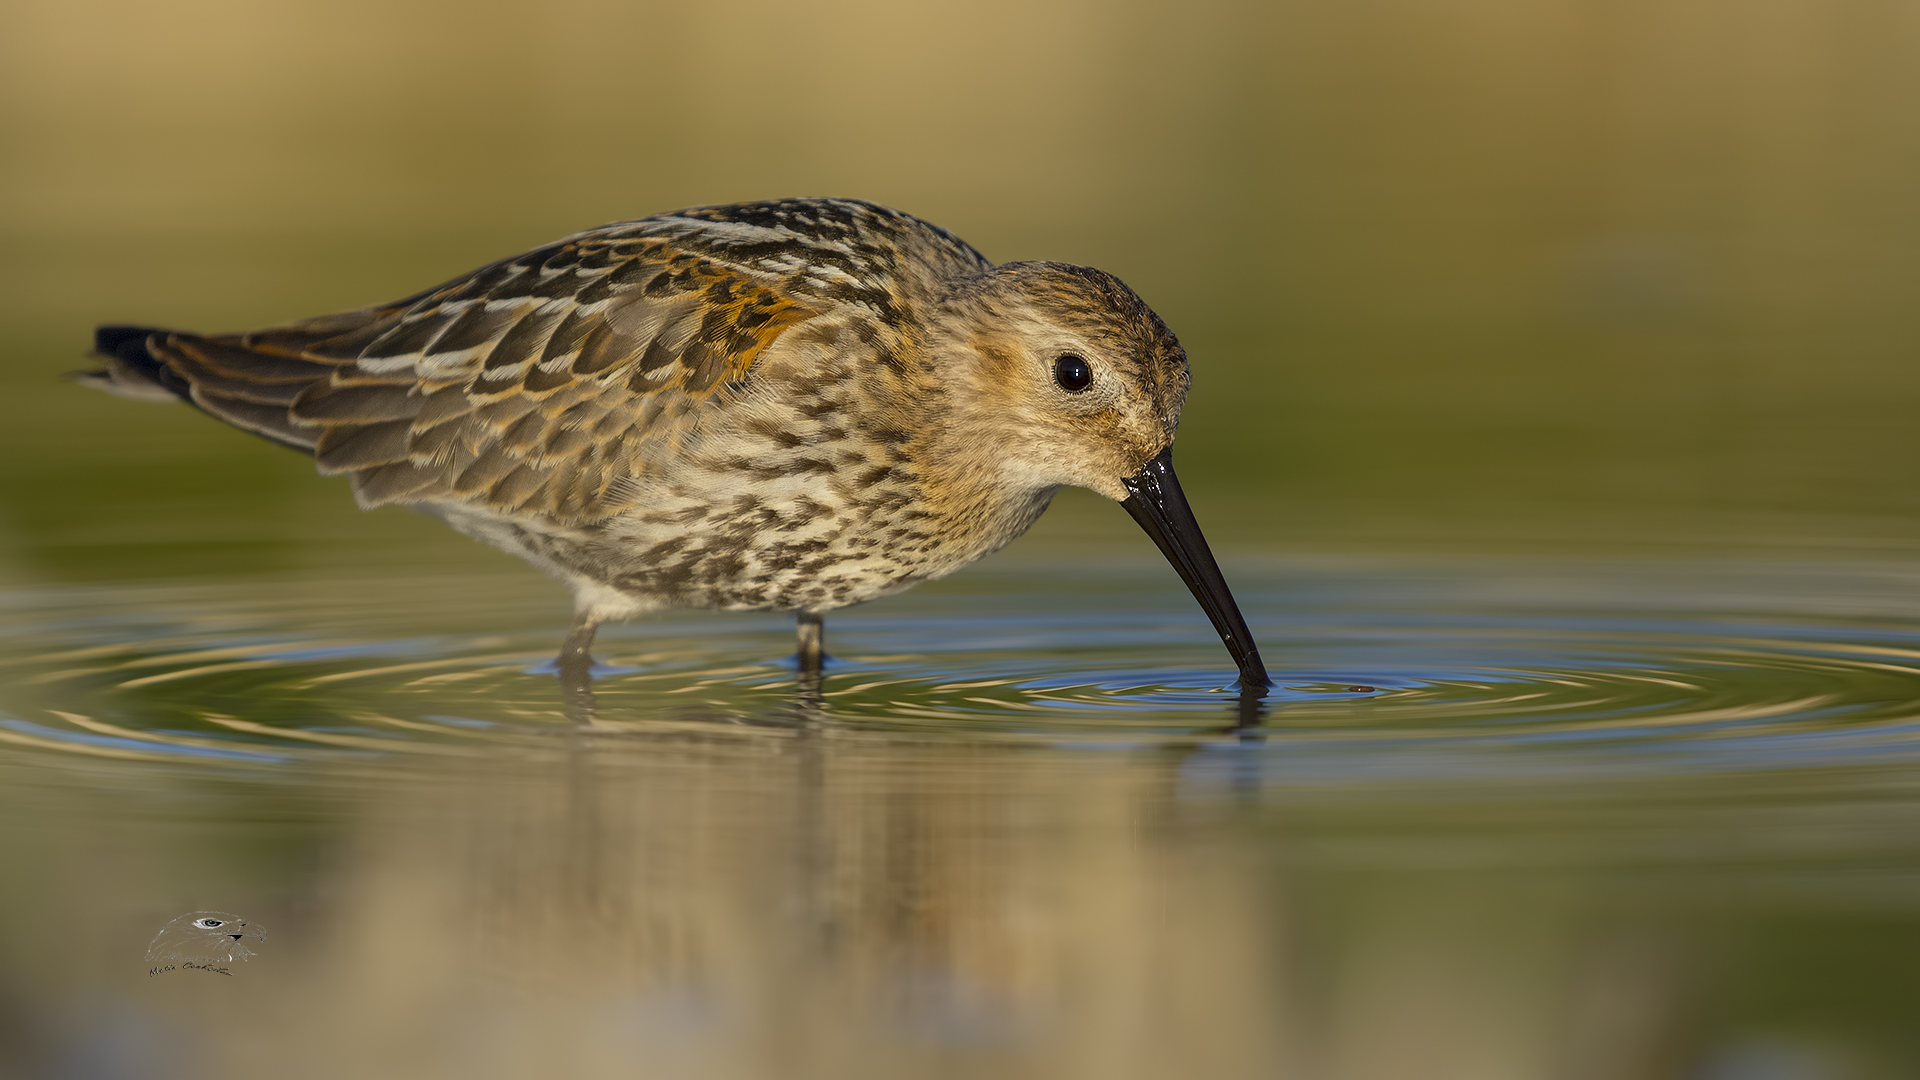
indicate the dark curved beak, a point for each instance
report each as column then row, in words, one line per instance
column 1155, row 500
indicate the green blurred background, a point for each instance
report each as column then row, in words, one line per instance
column 1485, row 274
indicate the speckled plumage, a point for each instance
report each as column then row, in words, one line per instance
column 800, row 404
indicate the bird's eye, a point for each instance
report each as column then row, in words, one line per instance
column 1072, row 373
column 208, row 924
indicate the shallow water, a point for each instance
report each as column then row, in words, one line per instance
column 1630, row 666
column 1500, row 817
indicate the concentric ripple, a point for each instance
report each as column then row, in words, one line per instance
column 1380, row 669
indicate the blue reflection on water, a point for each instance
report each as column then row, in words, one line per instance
column 87, row 738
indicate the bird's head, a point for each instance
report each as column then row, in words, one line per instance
column 1074, row 379
column 1068, row 377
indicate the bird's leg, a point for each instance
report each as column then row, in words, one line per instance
column 576, row 669
column 812, row 643
column 810, row 657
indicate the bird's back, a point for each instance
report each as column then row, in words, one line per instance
column 541, row 386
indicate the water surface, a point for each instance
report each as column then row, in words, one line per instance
column 1636, row 665
column 1513, row 817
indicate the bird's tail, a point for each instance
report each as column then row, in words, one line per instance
column 250, row 388
column 132, row 370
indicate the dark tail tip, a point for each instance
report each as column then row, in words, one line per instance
column 128, row 343
column 133, row 370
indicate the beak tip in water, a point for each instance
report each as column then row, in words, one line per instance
column 1156, row 501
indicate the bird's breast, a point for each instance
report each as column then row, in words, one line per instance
column 841, row 515
column 812, row 485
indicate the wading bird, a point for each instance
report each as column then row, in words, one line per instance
column 793, row 405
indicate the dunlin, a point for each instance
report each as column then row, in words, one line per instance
column 792, row 405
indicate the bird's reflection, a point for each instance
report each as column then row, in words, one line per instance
column 786, row 896
column 1249, row 711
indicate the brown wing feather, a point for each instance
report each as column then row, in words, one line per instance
column 529, row 386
